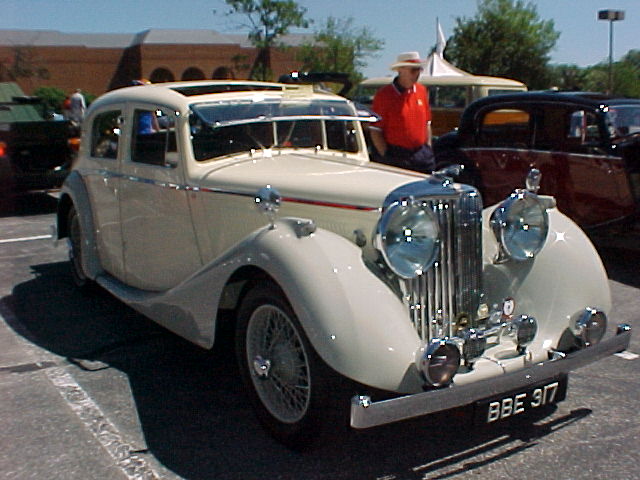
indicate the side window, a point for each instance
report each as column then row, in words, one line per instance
column 105, row 134
column 505, row 128
column 582, row 130
column 153, row 139
column 342, row 136
column 447, row 96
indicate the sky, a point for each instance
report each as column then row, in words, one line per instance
column 404, row 25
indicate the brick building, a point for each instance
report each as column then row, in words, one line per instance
column 100, row 62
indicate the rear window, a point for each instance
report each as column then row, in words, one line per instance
column 509, row 128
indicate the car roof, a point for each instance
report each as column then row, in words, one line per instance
column 587, row 99
column 180, row 95
column 453, row 80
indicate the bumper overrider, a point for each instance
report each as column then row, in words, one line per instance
column 366, row 413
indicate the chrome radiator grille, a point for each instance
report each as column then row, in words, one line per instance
column 450, row 291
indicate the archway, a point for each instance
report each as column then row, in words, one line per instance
column 223, row 73
column 160, row 75
column 193, row 73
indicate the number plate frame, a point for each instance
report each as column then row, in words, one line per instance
column 518, row 402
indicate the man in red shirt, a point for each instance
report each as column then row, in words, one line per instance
column 403, row 135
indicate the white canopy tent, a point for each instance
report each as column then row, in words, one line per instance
column 436, row 65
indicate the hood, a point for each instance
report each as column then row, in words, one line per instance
column 311, row 177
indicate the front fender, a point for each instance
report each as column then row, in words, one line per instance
column 354, row 321
column 566, row 276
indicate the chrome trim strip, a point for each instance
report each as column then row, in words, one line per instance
column 196, row 189
column 410, row 406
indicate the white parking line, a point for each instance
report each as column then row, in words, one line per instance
column 132, row 465
column 627, row 355
column 26, row 239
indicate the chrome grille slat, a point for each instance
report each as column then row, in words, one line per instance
column 452, row 286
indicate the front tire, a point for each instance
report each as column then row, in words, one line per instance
column 289, row 385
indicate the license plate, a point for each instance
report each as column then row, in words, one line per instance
column 510, row 404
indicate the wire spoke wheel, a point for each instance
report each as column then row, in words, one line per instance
column 278, row 364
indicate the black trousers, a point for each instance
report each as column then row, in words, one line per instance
column 421, row 159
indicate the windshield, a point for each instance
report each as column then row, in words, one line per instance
column 624, row 119
column 230, row 127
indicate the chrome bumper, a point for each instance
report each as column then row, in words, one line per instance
column 365, row 413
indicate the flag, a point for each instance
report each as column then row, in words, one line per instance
column 441, row 41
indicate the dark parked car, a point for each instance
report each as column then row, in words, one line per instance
column 586, row 145
column 36, row 151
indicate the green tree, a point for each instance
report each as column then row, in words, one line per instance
column 268, row 20
column 506, row 38
column 52, row 98
column 340, row 47
column 632, row 57
column 567, row 77
column 626, row 78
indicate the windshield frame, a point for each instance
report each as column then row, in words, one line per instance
column 217, row 134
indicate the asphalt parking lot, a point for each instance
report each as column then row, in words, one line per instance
column 89, row 389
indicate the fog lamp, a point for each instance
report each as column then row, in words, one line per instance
column 523, row 330
column 440, row 362
column 590, row 327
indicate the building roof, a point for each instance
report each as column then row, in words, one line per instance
column 54, row 38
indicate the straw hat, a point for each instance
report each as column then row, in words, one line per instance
column 408, row 59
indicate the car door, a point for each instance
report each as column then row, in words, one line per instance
column 501, row 150
column 159, row 242
column 597, row 187
column 101, row 176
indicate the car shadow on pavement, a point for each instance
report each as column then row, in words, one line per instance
column 622, row 264
column 24, row 204
column 195, row 417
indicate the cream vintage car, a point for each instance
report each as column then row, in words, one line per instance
column 361, row 291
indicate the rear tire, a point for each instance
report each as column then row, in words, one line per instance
column 290, row 386
column 76, row 243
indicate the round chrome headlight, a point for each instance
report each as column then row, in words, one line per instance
column 408, row 237
column 520, row 225
column 440, row 362
column 590, row 327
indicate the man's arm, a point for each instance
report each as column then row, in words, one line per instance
column 377, row 137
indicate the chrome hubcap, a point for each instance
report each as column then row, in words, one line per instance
column 261, row 367
column 279, row 364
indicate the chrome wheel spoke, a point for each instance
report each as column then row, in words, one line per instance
column 272, row 337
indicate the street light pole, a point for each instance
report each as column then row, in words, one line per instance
column 611, row 16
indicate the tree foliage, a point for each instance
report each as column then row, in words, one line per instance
column 340, row 47
column 24, row 64
column 626, row 79
column 267, row 20
column 52, row 98
column 506, row 38
column 567, row 77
